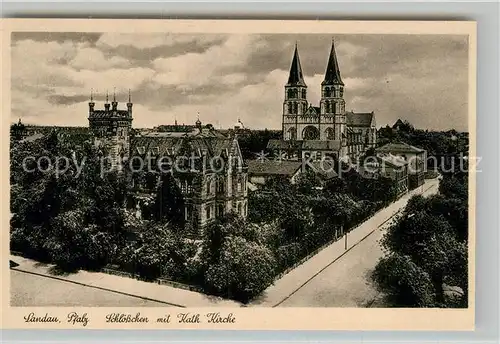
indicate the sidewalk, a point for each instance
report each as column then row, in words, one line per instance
column 127, row 286
column 298, row 277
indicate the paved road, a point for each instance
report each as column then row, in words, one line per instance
column 35, row 284
column 346, row 282
column 34, row 290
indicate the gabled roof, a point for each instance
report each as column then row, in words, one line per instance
column 313, row 110
column 399, row 148
column 392, row 160
column 332, row 145
column 270, row 167
column 325, row 169
column 398, row 123
column 283, row 144
column 329, row 145
column 108, row 114
column 332, row 74
column 360, row 119
column 296, row 78
column 175, row 146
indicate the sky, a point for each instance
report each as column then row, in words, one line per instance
column 223, row 78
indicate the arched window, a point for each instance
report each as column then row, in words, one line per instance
column 304, row 94
column 292, row 134
column 328, row 92
column 290, row 108
column 341, row 92
column 330, row 134
column 220, row 185
column 290, row 94
column 295, row 108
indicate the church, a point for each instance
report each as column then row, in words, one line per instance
column 315, row 132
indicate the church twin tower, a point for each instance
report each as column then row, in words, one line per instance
column 301, row 120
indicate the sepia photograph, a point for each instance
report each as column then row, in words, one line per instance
column 239, row 170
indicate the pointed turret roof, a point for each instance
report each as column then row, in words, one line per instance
column 332, row 74
column 296, row 78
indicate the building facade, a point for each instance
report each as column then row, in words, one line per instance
column 414, row 156
column 111, row 129
column 326, row 129
column 207, row 166
column 388, row 166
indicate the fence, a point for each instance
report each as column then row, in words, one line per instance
column 162, row 281
column 328, row 243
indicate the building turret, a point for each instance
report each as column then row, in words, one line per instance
column 112, row 129
column 129, row 105
column 91, row 103
column 114, row 104
column 295, row 103
column 106, row 104
column 332, row 104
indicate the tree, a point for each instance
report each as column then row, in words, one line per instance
column 243, row 270
column 70, row 216
column 169, row 204
column 158, row 251
column 431, row 235
column 404, row 283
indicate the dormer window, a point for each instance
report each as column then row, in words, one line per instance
column 141, row 150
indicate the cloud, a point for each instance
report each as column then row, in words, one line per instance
column 225, row 77
column 196, row 69
column 94, row 59
column 142, row 41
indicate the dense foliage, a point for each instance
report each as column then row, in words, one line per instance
column 427, row 250
column 308, row 215
column 443, row 148
column 255, row 141
column 65, row 212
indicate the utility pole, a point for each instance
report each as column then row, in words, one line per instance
column 345, row 235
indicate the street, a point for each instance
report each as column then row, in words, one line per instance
column 34, row 290
column 35, row 284
column 334, row 277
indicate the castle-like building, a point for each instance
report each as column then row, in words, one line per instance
column 324, row 130
column 206, row 164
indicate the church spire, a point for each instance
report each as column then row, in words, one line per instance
column 332, row 74
column 296, row 77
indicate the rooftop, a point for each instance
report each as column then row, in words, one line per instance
column 270, row 167
column 360, row 119
column 399, row 147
